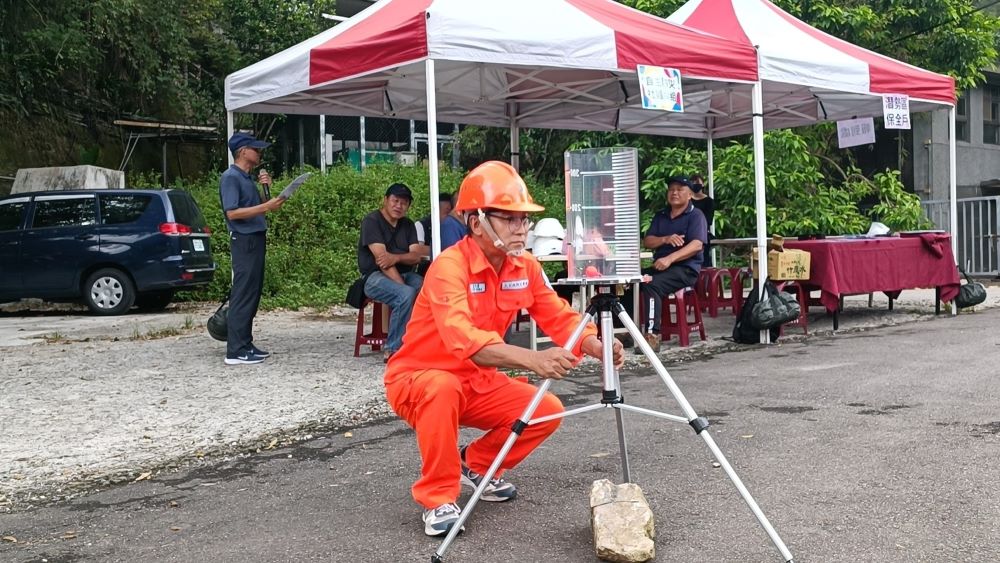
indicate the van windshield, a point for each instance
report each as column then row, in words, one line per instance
column 186, row 210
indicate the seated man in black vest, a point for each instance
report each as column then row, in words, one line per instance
column 388, row 251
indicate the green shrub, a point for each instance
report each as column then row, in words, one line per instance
column 313, row 239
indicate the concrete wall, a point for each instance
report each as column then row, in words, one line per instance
column 67, row 178
column 977, row 161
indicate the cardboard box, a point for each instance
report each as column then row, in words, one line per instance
column 788, row 264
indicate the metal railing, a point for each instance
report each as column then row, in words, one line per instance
column 978, row 231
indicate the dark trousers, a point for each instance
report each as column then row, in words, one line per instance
column 247, row 252
column 663, row 283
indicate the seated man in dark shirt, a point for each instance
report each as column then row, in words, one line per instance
column 387, row 252
column 677, row 236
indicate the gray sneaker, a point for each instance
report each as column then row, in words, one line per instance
column 439, row 521
column 497, row 491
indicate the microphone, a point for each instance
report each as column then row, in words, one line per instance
column 267, row 186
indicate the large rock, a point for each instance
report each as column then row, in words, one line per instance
column 67, row 178
column 622, row 522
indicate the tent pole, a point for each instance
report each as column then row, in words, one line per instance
column 229, row 135
column 952, row 191
column 711, row 188
column 515, row 138
column 761, row 200
column 362, row 156
column 302, row 142
column 711, row 167
column 322, row 144
column 432, row 159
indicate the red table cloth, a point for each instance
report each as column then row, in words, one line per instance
column 887, row 264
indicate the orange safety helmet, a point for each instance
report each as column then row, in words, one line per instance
column 495, row 185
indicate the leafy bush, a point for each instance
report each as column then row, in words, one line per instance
column 313, row 239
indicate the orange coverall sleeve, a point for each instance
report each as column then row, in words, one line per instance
column 449, row 303
column 555, row 316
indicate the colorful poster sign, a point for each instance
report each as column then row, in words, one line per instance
column 660, row 88
column 854, row 132
column 896, row 111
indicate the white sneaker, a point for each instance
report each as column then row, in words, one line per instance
column 438, row 521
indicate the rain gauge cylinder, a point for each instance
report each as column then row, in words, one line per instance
column 602, row 215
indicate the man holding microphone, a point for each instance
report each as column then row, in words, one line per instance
column 244, row 214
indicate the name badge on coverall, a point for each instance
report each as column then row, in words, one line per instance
column 477, row 287
column 514, row 284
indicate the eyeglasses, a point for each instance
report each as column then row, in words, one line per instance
column 513, row 221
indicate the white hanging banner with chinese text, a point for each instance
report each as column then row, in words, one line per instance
column 854, row 132
column 660, row 88
column 896, row 111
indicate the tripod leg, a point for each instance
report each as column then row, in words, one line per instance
column 514, row 434
column 623, row 446
column 613, row 391
column 700, row 425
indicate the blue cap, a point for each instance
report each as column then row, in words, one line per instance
column 240, row 140
column 679, row 180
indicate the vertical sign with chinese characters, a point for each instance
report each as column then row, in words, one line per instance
column 896, row 111
column 854, row 132
column 660, row 88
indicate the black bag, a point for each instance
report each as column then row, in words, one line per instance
column 356, row 293
column 776, row 309
column 218, row 323
column 971, row 293
column 744, row 331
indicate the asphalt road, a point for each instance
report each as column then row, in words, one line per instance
column 874, row 446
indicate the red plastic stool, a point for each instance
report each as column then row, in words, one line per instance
column 701, row 286
column 802, row 296
column 684, row 302
column 715, row 292
column 377, row 337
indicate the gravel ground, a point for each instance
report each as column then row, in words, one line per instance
column 89, row 402
column 86, row 412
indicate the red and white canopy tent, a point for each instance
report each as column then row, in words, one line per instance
column 807, row 76
column 562, row 64
column 570, row 64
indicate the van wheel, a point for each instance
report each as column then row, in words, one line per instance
column 109, row 292
column 154, row 300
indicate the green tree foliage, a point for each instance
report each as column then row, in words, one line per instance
column 168, row 59
column 806, row 193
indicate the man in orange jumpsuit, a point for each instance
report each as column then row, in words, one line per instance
column 445, row 374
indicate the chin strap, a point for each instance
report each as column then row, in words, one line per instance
column 493, row 234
